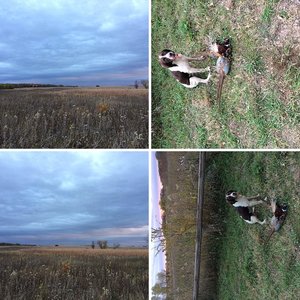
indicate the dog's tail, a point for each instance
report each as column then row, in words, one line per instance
column 219, row 87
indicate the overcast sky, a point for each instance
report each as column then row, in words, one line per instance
column 73, row 42
column 157, row 260
column 73, row 197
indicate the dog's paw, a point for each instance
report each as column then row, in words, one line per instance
column 208, row 78
column 265, row 200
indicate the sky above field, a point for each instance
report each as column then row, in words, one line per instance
column 157, row 260
column 61, row 197
column 70, row 42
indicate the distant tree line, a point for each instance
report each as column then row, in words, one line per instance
column 28, row 85
column 15, row 244
column 104, row 245
column 159, row 290
column 144, row 83
column 137, row 84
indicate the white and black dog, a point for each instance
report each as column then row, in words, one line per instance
column 242, row 205
column 180, row 68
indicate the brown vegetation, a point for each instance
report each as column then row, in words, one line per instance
column 179, row 175
column 74, row 118
column 73, row 273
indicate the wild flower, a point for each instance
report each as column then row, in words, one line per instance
column 13, row 273
column 37, row 115
column 105, row 291
column 66, row 267
column 103, row 107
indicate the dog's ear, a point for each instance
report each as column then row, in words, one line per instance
column 166, row 62
column 231, row 193
column 231, row 196
column 165, row 51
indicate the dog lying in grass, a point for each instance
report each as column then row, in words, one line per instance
column 180, row 68
column 242, row 204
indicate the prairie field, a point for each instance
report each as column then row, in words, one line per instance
column 74, row 118
column 73, row 273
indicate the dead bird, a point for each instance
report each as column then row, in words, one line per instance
column 222, row 67
column 221, row 51
column 279, row 215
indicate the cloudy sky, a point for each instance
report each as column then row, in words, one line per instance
column 73, row 197
column 157, row 260
column 73, row 42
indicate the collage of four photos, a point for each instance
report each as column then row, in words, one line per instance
column 150, row 150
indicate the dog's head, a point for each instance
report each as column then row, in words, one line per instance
column 166, row 58
column 231, row 196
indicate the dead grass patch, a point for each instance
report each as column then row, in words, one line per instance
column 74, row 118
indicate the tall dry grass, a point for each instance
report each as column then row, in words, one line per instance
column 74, row 118
column 73, row 274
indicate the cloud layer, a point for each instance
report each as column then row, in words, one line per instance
column 73, row 197
column 74, row 42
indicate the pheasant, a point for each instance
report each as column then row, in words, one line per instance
column 221, row 51
column 218, row 49
column 222, row 67
column 279, row 215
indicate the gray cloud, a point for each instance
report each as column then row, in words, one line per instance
column 49, row 197
column 74, row 42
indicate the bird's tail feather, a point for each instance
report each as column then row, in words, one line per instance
column 220, row 85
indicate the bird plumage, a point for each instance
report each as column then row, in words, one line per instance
column 221, row 51
column 218, row 49
column 279, row 215
column 222, row 67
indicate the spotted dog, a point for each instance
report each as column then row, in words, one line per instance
column 242, row 204
column 181, row 70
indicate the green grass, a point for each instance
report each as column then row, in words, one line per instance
column 260, row 98
column 235, row 260
column 249, row 268
column 269, row 10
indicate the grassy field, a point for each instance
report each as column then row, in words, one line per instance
column 73, row 273
column 74, row 118
column 260, row 100
column 235, row 261
column 249, row 268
